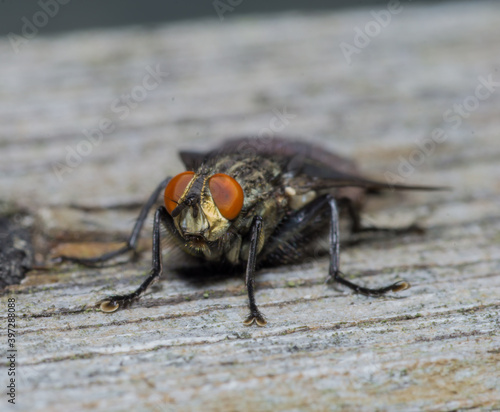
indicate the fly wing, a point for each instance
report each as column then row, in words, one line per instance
column 192, row 160
column 331, row 178
column 292, row 152
column 302, row 160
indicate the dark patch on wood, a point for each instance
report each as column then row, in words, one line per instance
column 16, row 251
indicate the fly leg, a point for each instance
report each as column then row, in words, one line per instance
column 132, row 240
column 301, row 222
column 255, row 315
column 334, row 271
column 112, row 303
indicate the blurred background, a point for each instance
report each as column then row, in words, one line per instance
column 80, row 14
column 88, row 89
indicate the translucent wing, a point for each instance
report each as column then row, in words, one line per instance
column 300, row 159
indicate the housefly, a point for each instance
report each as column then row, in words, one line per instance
column 254, row 202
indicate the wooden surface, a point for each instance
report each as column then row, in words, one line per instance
column 183, row 346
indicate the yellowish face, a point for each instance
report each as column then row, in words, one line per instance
column 203, row 219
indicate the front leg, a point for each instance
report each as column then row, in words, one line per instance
column 255, row 315
column 112, row 303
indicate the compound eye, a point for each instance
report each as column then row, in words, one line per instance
column 227, row 194
column 176, row 188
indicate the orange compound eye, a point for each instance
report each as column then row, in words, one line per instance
column 175, row 189
column 227, row 194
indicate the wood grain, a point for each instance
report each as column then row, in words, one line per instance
column 183, row 347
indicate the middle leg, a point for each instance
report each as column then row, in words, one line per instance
column 132, row 240
column 299, row 224
column 334, row 270
column 255, row 315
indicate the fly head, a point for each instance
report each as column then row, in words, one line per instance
column 203, row 206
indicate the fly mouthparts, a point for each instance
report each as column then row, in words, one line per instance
column 194, row 237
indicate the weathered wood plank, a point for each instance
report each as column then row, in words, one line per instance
column 183, row 346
